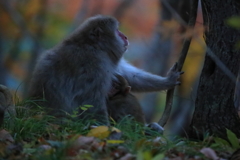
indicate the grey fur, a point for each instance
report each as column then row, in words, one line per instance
column 141, row 81
column 79, row 71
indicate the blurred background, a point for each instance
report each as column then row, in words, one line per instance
column 156, row 30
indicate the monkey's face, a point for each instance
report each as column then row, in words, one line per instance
column 122, row 39
column 101, row 32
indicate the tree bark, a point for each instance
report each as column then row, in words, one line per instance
column 214, row 106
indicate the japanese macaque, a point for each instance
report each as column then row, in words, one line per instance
column 122, row 103
column 80, row 70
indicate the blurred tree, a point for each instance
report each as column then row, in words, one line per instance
column 81, row 14
column 237, row 92
column 2, row 68
column 163, row 45
column 214, row 106
column 122, row 7
column 36, row 47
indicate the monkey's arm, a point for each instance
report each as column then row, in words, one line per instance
column 140, row 80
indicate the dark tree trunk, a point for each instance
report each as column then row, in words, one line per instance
column 2, row 68
column 215, row 112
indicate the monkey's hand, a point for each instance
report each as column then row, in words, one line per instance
column 173, row 76
column 155, row 127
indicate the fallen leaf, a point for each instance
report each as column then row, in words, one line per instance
column 120, row 151
column 41, row 140
column 2, row 149
column 102, row 132
column 128, row 156
column 6, row 136
column 176, row 158
column 209, row 153
column 45, row 147
column 99, row 132
column 81, row 142
column 99, row 146
column 115, row 141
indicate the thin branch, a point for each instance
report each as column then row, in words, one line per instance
column 209, row 52
column 173, row 12
column 186, row 44
column 221, row 65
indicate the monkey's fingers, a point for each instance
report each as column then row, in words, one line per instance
column 155, row 127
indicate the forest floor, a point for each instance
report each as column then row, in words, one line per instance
column 34, row 135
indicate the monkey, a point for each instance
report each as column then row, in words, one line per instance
column 80, row 70
column 122, row 102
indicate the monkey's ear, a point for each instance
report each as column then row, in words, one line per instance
column 127, row 89
column 96, row 32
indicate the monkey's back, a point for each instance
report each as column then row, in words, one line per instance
column 69, row 76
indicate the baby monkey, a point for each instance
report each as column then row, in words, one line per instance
column 122, row 103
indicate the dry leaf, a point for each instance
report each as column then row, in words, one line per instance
column 6, row 136
column 99, row 132
column 120, row 151
column 128, row 157
column 115, row 141
column 102, row 132
column 45, row 147
column 176, row 158
column 81, row 142
column 210, row 153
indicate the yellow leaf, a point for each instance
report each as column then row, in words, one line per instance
column 115, row 129
column 115, row 141
column 99, row 132
column 102, row 131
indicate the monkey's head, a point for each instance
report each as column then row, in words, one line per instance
column 102, row 33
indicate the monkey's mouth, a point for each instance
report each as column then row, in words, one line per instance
column 126, row 43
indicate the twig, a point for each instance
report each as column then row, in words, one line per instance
column 209, row 52
column 186, row 44
column 221, row 65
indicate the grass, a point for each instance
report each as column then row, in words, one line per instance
column 40, row 136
